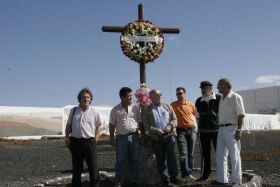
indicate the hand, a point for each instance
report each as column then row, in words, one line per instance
column 237, row 135
column 67, row 143
column 113, row 142
column 167, row 129
column 159, row 131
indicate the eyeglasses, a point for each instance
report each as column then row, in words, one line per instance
column 159, row 94
column 179, row 93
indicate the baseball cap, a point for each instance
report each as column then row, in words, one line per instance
column 205, row 83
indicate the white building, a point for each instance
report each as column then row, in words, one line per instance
column 261, row 100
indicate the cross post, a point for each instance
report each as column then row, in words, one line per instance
column 140, row 17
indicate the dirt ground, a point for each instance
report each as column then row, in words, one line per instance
column 25, row 163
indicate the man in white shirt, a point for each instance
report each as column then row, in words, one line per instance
column 81, row 134
column 125, row 119
column 231, row 117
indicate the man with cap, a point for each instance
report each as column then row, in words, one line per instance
column 207, row 107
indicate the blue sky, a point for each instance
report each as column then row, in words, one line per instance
column 50, row 49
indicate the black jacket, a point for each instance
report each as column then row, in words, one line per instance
column 208, row 114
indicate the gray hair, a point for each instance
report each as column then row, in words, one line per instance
column 153, row 91
column 226, row 81
column 84, row 90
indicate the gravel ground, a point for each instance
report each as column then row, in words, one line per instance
column 25, row 163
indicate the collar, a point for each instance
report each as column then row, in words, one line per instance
column 81, row 110
column 208, row 98
column 156, row 105
column 182, row 103
column 229, row 95
column 121, row 107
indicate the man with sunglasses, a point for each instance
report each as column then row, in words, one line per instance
column 186, row 132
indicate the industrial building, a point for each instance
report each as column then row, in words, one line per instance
column 261, row 100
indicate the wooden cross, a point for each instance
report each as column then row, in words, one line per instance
column 140, row 17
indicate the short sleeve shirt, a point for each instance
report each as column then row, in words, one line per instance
column 84, row 123
column 185, row 113
column 125, row 122
column 230, row 108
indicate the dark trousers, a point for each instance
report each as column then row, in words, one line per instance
column 205, row 144
column 164, row 150
column 84, row 149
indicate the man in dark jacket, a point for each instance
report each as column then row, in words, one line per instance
column 207, row 108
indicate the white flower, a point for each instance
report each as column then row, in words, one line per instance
column 142, row 53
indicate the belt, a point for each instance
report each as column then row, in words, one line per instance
column 185, row 129
column 226, row 125
column 80, row 139
column 132, row 133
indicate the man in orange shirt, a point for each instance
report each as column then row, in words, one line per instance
column 186, row 132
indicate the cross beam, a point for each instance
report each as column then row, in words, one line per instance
column 140, row 17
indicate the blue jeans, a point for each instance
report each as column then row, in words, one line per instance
column 127, row 151
column 186, row 141
column 164, row 150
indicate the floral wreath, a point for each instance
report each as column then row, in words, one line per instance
column 142, row 96
column 142, row 41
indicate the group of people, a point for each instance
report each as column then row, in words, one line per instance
column 216, row 118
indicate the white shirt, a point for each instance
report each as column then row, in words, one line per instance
column 125, row 122
column 84, row 122
column 230, row 108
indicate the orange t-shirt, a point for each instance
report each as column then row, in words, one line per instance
column 185, row 113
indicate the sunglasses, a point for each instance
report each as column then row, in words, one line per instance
column 179, row 93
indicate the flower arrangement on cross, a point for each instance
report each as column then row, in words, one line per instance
column 142, row 41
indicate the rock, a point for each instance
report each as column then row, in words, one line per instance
column 148, row 166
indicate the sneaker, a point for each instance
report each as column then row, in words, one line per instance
column 190, row 178
column 177, row 181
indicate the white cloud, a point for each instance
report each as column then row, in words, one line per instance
column 268, row 79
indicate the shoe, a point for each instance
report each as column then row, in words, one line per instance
column 164, row 181
column 218, row 183
column 201, row 179
column 177, row 181
column 235, row 184
column 190, row 178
